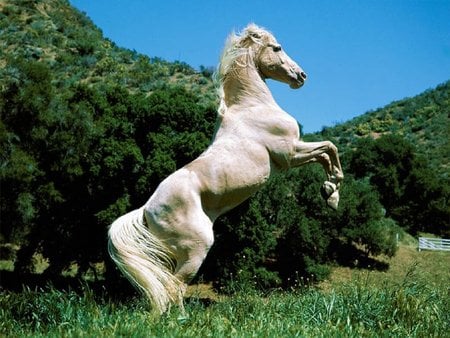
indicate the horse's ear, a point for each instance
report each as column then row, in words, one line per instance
column 256, row 38
column 251, row 34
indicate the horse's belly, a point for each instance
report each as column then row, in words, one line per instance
column 217, row 204
column 228, row 179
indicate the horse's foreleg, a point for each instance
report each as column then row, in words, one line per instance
column 324, row 161
column 326, row 154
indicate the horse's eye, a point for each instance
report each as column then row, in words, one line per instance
column 276, row 48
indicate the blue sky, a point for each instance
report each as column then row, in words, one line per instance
column 359, row 54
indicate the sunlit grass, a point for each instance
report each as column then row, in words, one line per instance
column 408, row 308
column 410, row 299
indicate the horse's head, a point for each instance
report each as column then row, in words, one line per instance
column 270, row 59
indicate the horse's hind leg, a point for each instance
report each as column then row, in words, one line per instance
column 188, row 234
column 191, row 251
column 193, row 248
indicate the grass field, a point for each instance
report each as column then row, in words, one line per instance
column 411, row 299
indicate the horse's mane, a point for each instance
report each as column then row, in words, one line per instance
column 236, row 46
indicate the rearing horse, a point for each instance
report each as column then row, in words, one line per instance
column 161, row 245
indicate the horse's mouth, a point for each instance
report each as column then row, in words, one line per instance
column 296, row 83
column 298, row 80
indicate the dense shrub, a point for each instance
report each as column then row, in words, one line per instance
column 74, row 163
column 411, row 191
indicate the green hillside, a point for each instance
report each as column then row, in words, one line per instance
column 423, row 120
column 89, row 129
column 66, row 41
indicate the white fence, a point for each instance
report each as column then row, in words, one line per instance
column 434, row 244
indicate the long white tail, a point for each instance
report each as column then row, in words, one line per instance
column 144, row 260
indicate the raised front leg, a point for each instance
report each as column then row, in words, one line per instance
column 326, row 154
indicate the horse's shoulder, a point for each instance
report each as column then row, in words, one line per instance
column 257, row 123
column 278, row 123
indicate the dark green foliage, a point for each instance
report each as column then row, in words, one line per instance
column 388, row 161
column 73, row 163
column 426, row 202
column 244, row 243
column 413, row 193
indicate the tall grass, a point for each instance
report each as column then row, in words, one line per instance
column 410, row 308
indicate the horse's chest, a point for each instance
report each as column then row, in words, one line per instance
column 243, row 164
column 279, row 137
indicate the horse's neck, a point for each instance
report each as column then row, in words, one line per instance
column 245, row 95
column 246, row 88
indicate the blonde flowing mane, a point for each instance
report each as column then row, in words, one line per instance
column 239, row 52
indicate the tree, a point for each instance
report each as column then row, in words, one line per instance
column 410, row 190
column 89, row 156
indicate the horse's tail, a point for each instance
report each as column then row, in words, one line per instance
column 144, row 260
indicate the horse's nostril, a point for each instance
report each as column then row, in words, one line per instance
column 303, row 75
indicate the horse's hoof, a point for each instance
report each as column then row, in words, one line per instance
column 330, row 193
column 327, row 189
column 333, row 200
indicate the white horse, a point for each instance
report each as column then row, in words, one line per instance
column 161, row 245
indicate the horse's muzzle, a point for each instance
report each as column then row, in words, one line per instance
column 299, row 79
